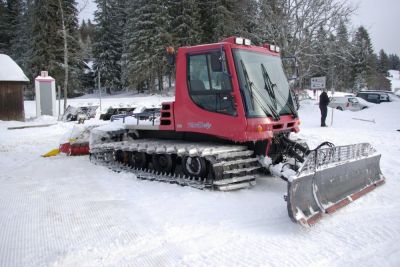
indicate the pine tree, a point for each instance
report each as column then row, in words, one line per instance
column 185, row 20
column 364, row 62
column 46, row 40
column 4, row 24
column 83, row 30
column 20, row 42
column 320, row 57
column 108, row 42
column 224, row 22
column 206, row 12
column 74, row 49
column 343, row 57
column 10, row 11
column 47, row 47
column 146, row 39
column 218, row 19
column 246, row 12
column 383, row 64
column 273, row 22
column 394, row 62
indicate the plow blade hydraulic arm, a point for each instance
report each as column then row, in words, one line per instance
column 331, row 178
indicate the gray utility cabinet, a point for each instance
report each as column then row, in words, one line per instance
column 45, row 89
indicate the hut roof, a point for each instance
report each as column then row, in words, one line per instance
column 10, row 71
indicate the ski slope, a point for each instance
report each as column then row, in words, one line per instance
column 65, row 211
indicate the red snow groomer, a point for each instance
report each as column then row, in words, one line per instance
column 232, row 118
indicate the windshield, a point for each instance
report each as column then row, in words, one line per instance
column 263, row 84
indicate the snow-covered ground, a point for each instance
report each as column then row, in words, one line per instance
column 65, row 211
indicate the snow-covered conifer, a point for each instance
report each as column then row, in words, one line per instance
column 108, row 42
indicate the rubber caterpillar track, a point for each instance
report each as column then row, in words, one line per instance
column 229, row 167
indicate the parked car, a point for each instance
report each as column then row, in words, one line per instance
column 392, row 95
column 347, row 103
column 376, row 96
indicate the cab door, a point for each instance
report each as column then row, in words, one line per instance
column 205, row 101
column 209, row 84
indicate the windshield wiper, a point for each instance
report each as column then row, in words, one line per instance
column 269, row 87
column 249, row 83
column 253, row 97
column 291, row 106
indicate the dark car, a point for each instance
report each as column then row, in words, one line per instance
column 374, row 96
column 392, row 95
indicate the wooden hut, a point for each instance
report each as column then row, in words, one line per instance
column 12, row 82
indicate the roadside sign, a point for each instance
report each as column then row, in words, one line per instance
column 318, row 82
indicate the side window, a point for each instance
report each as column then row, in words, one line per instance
column 210, row 89
column 198, row 72
column 373, row 97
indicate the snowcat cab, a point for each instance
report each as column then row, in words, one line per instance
column 233, row 106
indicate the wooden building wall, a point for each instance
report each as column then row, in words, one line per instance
column 11, row 101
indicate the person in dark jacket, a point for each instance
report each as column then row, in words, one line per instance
column 323, row 106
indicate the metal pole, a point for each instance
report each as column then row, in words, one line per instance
column 99, row 89
column 332, row 91
column 59, row 100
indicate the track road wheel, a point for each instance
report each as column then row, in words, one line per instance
column 126, row 157
column 163, row 163
column 108, row 156
column 119, row 156
column 138, row 160
column 194, row 166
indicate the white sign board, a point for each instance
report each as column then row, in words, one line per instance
column 318, row 82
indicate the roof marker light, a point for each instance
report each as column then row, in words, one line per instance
column 247, row 42
column 239, row 40
column 272, row 48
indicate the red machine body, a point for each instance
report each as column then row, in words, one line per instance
column 184, row 115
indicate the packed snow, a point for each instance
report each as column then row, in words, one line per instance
column 66, row 211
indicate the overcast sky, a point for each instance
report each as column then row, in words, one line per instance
column 379, row 17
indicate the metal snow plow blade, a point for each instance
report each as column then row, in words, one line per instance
column 330, row 179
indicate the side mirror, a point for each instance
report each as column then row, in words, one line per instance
column 216, row 62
